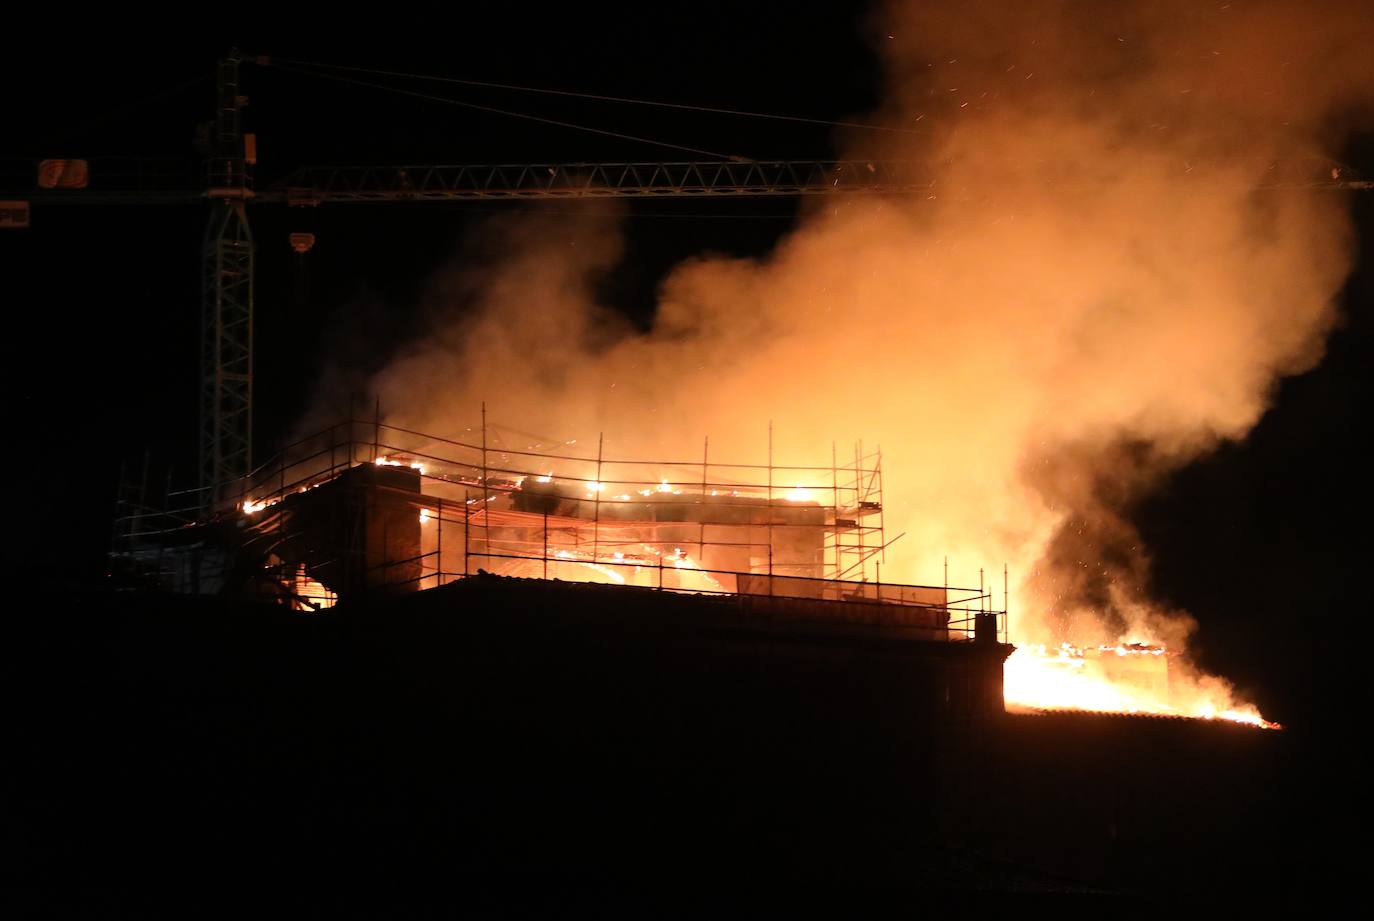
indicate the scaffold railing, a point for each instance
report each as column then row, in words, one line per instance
column 504, row 503
column 841, row 502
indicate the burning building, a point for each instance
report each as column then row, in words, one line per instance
column 362, row 511
column 406, row 511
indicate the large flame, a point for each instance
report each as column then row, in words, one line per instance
column 1066, row 677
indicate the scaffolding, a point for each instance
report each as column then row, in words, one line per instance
column 507, row 503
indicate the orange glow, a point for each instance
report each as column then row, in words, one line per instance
column 253, row 506
column 388, row 462
column 1120, row 678
column 1092, row 295
column 311, row 594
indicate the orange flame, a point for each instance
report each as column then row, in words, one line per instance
column 1124, row 678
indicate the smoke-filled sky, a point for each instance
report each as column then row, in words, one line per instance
column 1101, row 285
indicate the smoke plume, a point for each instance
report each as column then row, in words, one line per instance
column 1101, row 284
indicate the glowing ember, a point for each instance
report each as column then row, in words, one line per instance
column 424, row 515
column 1125, row 678
column 388, row 462
column 310, row 594
column 606, row 571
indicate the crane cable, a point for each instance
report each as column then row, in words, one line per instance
column 713, row 110
column 524, row 115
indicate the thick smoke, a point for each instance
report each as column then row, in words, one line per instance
column 1095, row 291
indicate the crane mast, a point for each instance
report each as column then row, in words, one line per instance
column 226, row 324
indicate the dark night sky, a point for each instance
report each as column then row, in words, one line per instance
column 1262, row 541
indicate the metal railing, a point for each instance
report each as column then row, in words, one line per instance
column 570, row 531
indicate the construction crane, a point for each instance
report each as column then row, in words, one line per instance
column 227, row 253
